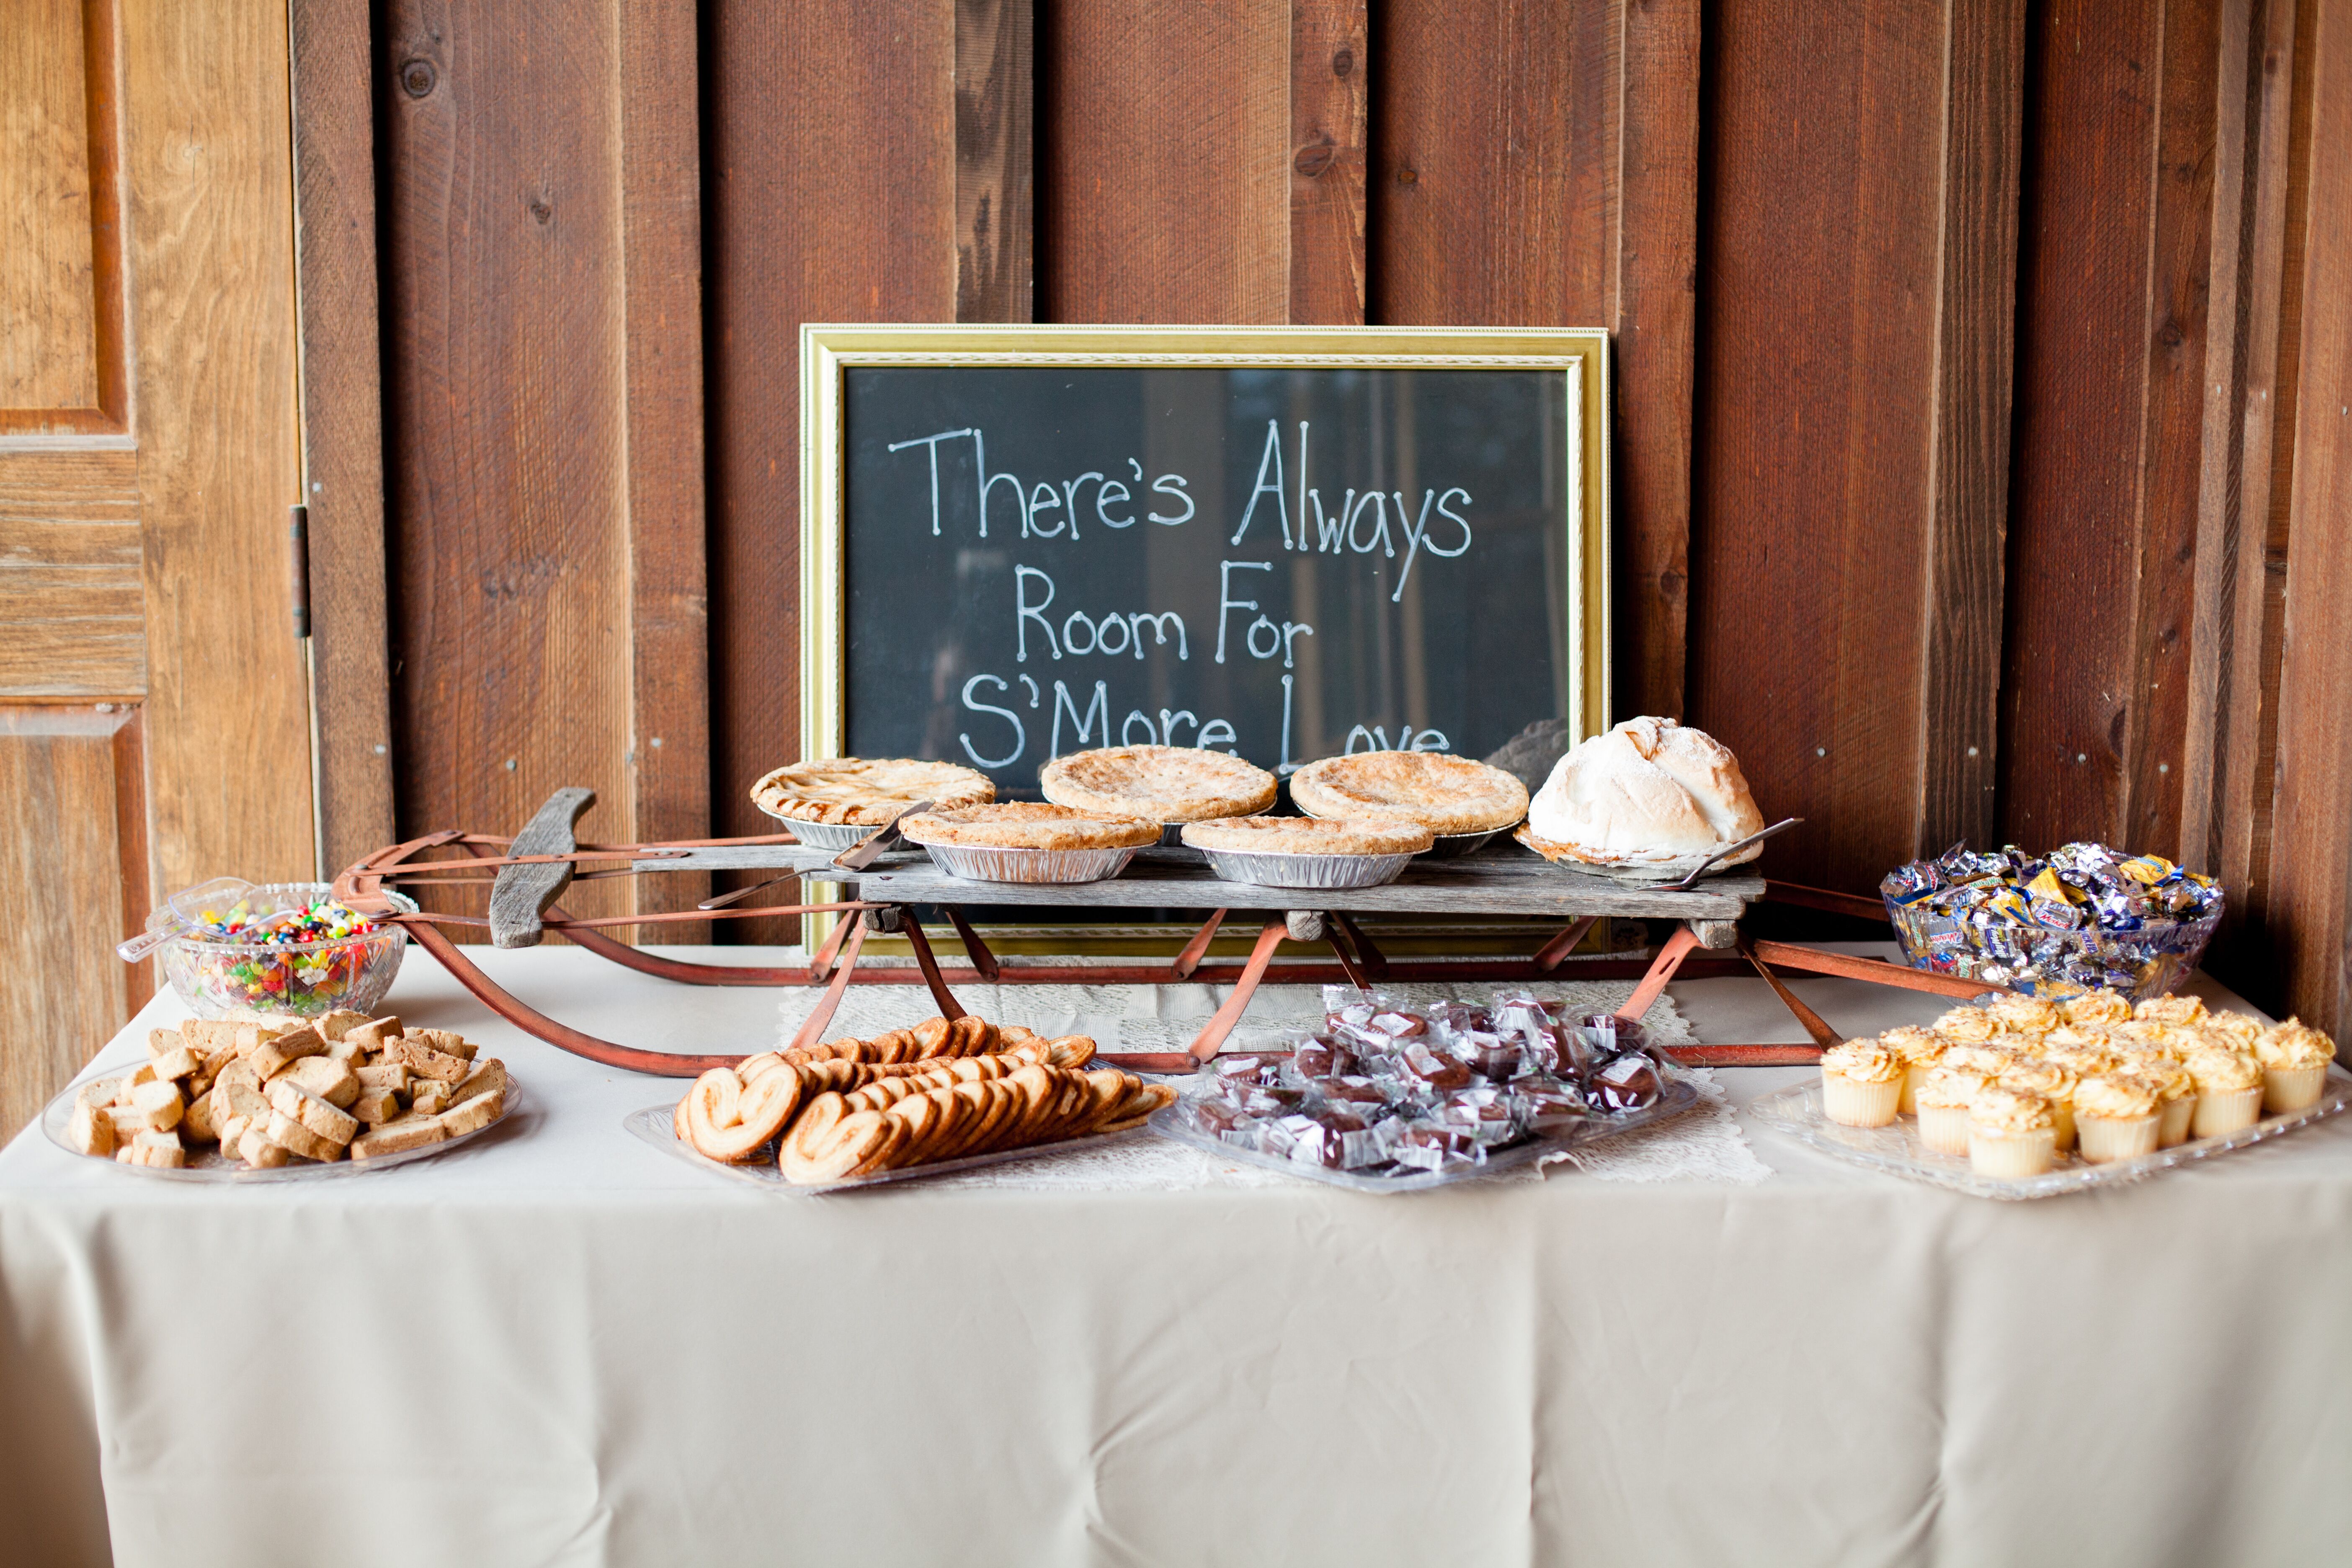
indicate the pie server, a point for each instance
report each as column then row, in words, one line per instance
column 856, row 857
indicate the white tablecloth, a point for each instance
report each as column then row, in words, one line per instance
column 559, row 1345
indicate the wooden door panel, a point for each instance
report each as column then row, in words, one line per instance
column 62, row 368
column 73, row 601
column 72, row 846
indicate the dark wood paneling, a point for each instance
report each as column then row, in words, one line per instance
column 2111, row 391
column 1541, row 170
column 2233, row 721
column 343, row 423
column 829, row 180
column 543, row 406
column 1330, row 71
column 2310, row 906
column 1655, row 365
column 1975, row 352
column 995, row 102
column 669, row 630
column 1164, row 169
column 1815, row 418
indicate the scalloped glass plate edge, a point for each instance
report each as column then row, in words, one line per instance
column 1682, row 1097
column 59, row 1111
column 1795, row 1113
column 653, row 1126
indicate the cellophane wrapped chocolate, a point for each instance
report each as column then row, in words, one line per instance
column 1384, row 1086
column 2084, row 916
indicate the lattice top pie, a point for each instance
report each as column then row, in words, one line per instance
column 866, row 791
column 1443, row 794
column 1166, row 784
column 1028, row 824
column 1310, row 836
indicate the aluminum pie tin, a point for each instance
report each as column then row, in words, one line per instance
column 984, row 863
column 829, row 835
column 1266, row 868
column 1454, row 846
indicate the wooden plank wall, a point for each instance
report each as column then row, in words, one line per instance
column 1958, row 348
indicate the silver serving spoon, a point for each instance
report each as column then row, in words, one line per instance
column 863, row 853
column 1685, row 885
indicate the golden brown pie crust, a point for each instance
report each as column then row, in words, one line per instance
column 1444, row 793
column 1310, row 836
column 866, row 791
column 1028, row 824
column 1166, row 784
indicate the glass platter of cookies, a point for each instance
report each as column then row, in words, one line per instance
column 209, row 1164
column 656, row 1125
column 1797, row 1112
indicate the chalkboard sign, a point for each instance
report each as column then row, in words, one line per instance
column 1285, row 544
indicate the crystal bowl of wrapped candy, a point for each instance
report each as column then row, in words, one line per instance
column 1390, row 1098
column 2079, row 917
column 280, row 948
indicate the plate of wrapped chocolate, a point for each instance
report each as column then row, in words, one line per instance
column 2026, row 1096
column 285, row 1100
column 943, row 1096
column 1388, row 1099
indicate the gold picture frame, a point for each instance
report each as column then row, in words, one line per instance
column 829, row 351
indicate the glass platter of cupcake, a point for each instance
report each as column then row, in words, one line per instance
column 2026, row 1096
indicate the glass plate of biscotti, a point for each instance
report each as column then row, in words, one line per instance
column 1897, row 1148
column 207, row 1164
column 656, row 1125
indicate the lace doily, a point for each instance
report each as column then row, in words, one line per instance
column 1706, row 1144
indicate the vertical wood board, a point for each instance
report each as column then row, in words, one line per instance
column 1330, row 67
column 342, row 422
column 2310, row 910
column 996, row 200
column 1163, row 169
column 829, row 180
column 1815, row 419
column 207, row 159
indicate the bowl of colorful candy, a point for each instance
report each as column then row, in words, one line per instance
column 288, row 948
column 2081, row 917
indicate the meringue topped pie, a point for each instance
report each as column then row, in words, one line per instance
column 1444, row 793
column 1027, row 824
column 866, row 791
column 1165, row 784
column 1308, row 836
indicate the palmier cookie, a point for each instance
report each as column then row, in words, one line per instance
column 726, row 1120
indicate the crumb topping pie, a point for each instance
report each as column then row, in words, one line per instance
column 1444, row 793
column 861, row 791
column 1165, row 784
column 1028, row 824
column 1309, row 836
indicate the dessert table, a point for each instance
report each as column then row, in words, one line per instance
column 558, row 1345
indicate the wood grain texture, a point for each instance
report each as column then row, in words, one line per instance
column 227, row 709
column 1960, row 683
column 829, row 183
column 542, row 399
column 2310, row 906
column 61, row 843
column 1330, row 71
column 996, row 200
column 2112, row 324
column 72, row 606
column 1654, row 355
column 48, row 312
column 1535, row 169
column 522, row 893
column 669, row 623
column 2233, row 721
column 1818, row 393
column 64, row 366
column 342, row 422
column 1163, row 182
